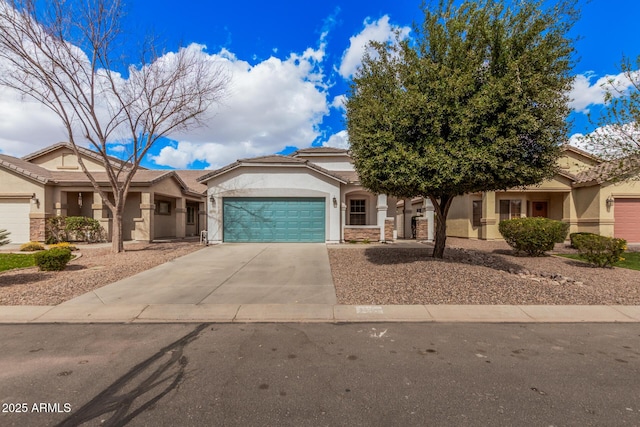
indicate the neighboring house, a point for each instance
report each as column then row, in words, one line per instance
column 578, row 195
column 50, row 182
column 313, row 195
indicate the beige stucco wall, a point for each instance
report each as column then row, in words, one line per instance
column 165, row 225
column 460, row 216
column 574, row 163
column 64, row 159
column 14, row 184
column 588, row 208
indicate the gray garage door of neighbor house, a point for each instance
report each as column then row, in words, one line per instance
column 274, row 219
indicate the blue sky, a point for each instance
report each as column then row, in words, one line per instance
column 291, row 62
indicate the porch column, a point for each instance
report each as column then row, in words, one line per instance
column 382, row 214
column 569, row 214
column 100, row 213
column 60, row 207
column 429, row 213
column 407, row 219
column 181, row 217
column 145, row 228
column 343, row 219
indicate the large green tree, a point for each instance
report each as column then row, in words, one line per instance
column 475, row 101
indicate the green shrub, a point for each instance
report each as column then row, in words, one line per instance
column 533, row 235
column 55, row 259
column 65, row 245
column 31, row 246
column 572, row 237
column 74, row 228
column 599, row 250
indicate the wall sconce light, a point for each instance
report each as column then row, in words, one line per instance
column 212, row 199
column 335, row 202
column 80, row 199
column 610, row 200
column 35, row 200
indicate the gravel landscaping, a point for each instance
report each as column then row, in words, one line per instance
column 95, row 268
column 473, row 272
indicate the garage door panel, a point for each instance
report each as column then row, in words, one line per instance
column 274, row 219
column 626, row 214
column 14, row 217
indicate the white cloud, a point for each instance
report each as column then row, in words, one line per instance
column 339, row 102
column 338, row 140
column 26, row 126
column 380, row 31
column 271, row 105
column 586, row 93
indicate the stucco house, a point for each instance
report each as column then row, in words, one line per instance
column 312, row 195
column 579, row 194
column 49, row 182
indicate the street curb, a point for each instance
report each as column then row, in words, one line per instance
column 315, row 313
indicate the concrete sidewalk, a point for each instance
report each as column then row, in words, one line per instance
column 300, row 313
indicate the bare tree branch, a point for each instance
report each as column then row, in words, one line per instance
column 65, row 54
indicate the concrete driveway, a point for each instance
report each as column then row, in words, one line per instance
column 247, row 273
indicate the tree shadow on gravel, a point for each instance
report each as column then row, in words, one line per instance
column 22, row 278
column 394, row 256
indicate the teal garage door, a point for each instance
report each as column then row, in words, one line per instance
column 269, row 219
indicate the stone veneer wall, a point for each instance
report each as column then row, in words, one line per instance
column 388, row 229
column 359, row 234
column 37, row 229
column 422, row 228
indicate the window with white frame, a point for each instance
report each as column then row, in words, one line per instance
column 357, row 212
column 510, row 209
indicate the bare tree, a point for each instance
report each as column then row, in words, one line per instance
column 66, row 55
column 617, row 138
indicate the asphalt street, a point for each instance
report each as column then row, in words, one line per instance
column 320, row 374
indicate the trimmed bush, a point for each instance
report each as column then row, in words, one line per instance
column 599, row 250
column 533, row 235
column 31, row 246
column 55, row 259
column 65, row 245
column 74, row 228
column 572, row 237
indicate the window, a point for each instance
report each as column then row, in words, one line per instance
column 477, row 213
column 191, row 215
column 510, row 209
column 357, row 212
column 164, row 208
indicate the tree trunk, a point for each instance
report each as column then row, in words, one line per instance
column 441, row 237
column 117, row 245
column 441, row 207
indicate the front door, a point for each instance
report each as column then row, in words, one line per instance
column 539, row 209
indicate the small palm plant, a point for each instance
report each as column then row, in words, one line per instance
column 4, row 237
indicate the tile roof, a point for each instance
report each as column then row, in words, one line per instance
column 349, row 176
column 25, row 168
column 190, row 178
column 609, row 171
